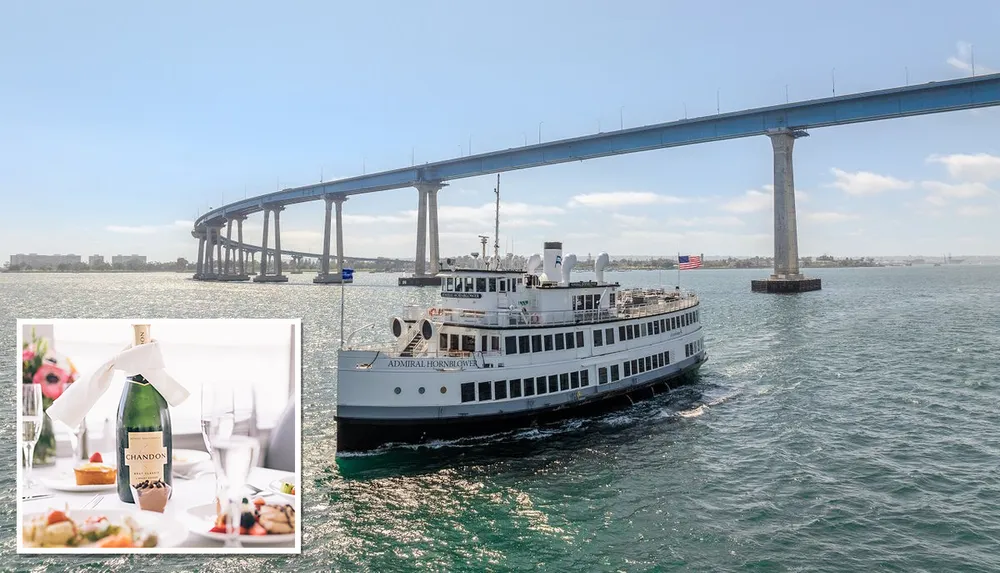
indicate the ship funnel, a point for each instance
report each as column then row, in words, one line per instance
column 568, row 263
column 534, row 261
column 551, row 261
column 599, row 265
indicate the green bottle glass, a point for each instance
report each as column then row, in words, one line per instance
column 145, row 440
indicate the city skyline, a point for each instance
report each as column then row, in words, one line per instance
column 131, row 165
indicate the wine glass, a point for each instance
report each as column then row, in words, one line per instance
column 31, row 427
column 217, row 421
column 235, row 453
column 76, row 440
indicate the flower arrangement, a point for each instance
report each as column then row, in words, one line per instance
column 54, row 372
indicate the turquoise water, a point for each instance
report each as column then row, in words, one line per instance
column 849, row 429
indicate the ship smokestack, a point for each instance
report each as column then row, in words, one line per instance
column 599, row 265
column 568, row 263
column 552, row 261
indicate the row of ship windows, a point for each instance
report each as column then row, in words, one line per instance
column 649, row 328
column 525, row 344
column 481, row 284
column 503, row 389
column 692, row 348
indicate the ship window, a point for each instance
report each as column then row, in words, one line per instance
column 569, row 340
column 560, row 341
column 656, row 327
column 536, row 342
column 540, row 385
column 635, row 367
column 584, row 378
column 453, row 344
column 666, row 357
column 493, row 285
column 579, row 339
column 500, row 389
column 469, row 392
column 609, row 335
column 576, row 303
column 513, row 286
column 458, row 284
column 598, row 338
column 529, row 386
column 548, row 342
column 687, row 352
column 481, row 284
column 630, row 331
column 614, row 373
column 523, row 346
column 469, row 284
column 503, row 285
column 602, row 375
column 449, row 283
column 515, row 388
column 642, row 365
column 649, row 363
column 484, row 347
column 590, row 302
column 628, row 369
column 621, row 333
column 673, row 323
column 553, row 383
column 510, row 343
column 495, row 343
column 644, row 329
column 574, row 379
column 468, row 343
column 443, row 341
column 564, row 381
column 485, row 391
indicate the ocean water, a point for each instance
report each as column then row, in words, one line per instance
column 854, row 428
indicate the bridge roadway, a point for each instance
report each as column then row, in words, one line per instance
column 782, row 123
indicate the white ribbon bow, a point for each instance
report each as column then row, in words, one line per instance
column 147, row 359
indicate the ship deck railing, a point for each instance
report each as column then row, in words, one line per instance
column 526, row 318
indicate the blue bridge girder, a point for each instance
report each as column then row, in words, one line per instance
column 920, row 99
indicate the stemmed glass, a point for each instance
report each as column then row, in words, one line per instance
column 235, row 451
column 76, row 440
column 31, row 427
column 217, row 420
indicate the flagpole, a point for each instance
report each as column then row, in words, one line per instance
column 678, row 269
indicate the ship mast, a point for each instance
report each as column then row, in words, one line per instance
column 496, row 232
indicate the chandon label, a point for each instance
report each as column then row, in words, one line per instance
column 145, row 456
column 431, row 363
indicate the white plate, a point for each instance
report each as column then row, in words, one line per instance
column 184, row 460
column 66, row 481
column 200, row 520
column 170, row 532
column 275, row 488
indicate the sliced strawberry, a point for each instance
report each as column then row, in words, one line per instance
column 96, row 458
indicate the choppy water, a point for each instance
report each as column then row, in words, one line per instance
column 850, row 429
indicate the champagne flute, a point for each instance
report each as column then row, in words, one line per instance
column 31, row 427
column 235, row 455
column 217, row 421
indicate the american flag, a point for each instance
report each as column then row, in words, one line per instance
column 685, row 262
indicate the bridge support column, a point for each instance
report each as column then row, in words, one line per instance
column 277, row 277
column 218, row 249
column 209, row 273
column 277, row 240
column 229, row 245
column 200, row 269
column 786, row 277
column 426, row 209
column 325, row 276
column 263, row 248
column 239, row 238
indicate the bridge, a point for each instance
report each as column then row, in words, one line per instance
column 783, row 124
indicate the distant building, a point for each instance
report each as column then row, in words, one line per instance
column 129, row 260
column 37, row 261
column 96, row 260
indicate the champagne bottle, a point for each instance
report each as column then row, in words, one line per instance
column 145, row 441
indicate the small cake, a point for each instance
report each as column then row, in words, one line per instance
column 93, row 473
column 151, row 496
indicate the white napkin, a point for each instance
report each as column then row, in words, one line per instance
column 147, row 359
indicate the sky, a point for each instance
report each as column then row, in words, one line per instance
column 121, row 122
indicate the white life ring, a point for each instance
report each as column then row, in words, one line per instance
column 534, row 318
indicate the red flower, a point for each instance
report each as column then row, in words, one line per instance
column 52, row 379
column 28, row 353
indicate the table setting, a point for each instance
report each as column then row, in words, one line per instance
column 132, row 495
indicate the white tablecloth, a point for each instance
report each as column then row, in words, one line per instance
column 187, row 493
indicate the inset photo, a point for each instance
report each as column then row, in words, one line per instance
column 159, row 436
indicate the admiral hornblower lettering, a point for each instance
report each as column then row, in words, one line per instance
column 430, row 363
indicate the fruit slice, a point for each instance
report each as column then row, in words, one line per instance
column 96, row 458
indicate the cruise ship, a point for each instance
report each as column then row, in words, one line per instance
column 509, row 349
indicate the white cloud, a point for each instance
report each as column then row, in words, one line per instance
column 936, row 200
column 133, row 230
column 624, row 199
column 963, row 60
column 727, row 221
column 752, row 201
column 630, row 220
column 184, row 224
column 970, row 167
column 957, row 190
column 830, row 216
column 862, row 183
column 975, row 211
